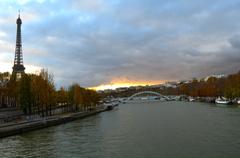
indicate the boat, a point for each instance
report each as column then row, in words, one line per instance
column 238, row 101
column 222, row 100
column 144, row 98
column 109, row 107
column 191, row 99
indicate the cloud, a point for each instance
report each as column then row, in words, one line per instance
column 96, row 42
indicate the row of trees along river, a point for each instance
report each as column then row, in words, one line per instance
column 37, row 94
column 228, row 86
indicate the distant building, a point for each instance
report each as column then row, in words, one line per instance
column 170, row 84
column 108, row 90
column 138, row 87
column 216, row 76
column 121, row 89
column 5, row 101
column 4, row 78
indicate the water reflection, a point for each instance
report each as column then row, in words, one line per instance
column 157, row 129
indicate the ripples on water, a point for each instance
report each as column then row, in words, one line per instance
column 137, row 130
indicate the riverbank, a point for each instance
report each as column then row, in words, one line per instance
column 213, row 100
column 26, row 126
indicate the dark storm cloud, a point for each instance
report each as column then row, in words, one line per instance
column 93, row 42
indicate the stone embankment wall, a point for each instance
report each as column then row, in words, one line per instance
column 17, row 128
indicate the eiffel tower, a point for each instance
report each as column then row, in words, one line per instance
column 18, row 68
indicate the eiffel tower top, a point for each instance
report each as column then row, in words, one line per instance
column 19, row 21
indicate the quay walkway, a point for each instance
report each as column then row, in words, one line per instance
column 26, row 126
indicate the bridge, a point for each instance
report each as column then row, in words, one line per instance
column 147, row 92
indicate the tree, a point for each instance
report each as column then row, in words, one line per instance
column 36, row 94
column 25, row 94
column 232, row 88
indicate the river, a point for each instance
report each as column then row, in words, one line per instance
column 137, row 130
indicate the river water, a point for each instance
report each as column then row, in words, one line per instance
column 137, row 130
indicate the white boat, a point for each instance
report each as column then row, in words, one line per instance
column 144, row 98
column 191, row 99
column 222, row 100
column 238, row 101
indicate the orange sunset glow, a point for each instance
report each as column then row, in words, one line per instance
column 117, row 83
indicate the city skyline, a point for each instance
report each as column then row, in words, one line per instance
column 119, row 43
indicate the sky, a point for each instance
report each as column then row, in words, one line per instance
column 123, row 42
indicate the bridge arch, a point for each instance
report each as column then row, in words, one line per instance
column 146, row 92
